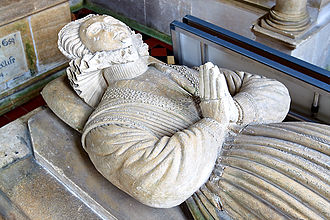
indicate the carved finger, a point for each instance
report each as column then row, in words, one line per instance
column 201, row 81
column 218, row 83
column 207, row 81
column 213, row 83
column 223, row 90
column 227, row 92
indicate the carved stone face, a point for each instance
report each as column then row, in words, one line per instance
column 104, row 33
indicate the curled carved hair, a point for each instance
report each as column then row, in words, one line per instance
column 69, row 42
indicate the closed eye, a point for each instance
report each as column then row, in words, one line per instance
column 94, row 28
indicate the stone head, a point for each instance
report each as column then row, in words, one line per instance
column 104, row 33
column 98, row 33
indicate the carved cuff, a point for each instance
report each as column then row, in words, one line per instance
column 213, row 128
column 247, row 108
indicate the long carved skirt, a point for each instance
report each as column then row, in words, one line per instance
column 271, row 171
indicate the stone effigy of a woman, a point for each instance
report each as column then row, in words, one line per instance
column 212, row 137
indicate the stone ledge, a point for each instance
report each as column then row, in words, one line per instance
column 14, row 10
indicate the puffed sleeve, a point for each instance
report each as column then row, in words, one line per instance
column 257, row 98
column 158, row 171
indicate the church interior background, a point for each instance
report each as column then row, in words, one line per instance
column 29, row 59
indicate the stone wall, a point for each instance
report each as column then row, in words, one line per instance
column 157, row 14
column 235, row 15
column 28, row 40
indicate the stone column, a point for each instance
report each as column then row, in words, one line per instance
column 298, row 29
column 288, row 15
column 287, row 21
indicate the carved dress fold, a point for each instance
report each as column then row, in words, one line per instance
column 269, row 171
column 147, row 137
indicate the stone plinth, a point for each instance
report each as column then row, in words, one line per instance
column 27, row 190
column 58, row 148
column 287, row 16
column 286, row 21
column 298, row 30
column 60, row 182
